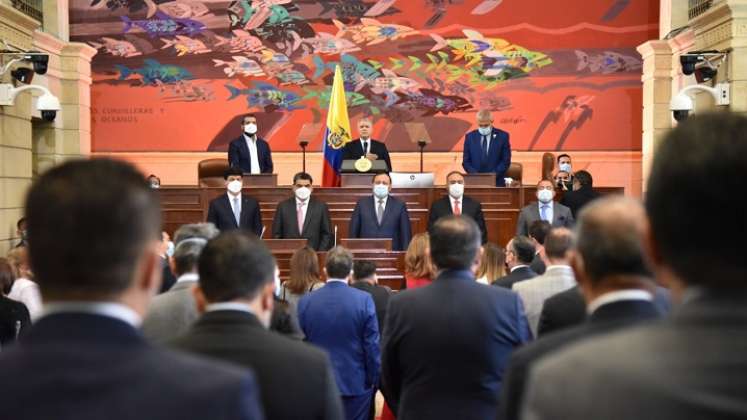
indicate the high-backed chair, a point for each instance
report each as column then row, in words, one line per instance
column 515, row 171
column 548, row 165
column 210, row 172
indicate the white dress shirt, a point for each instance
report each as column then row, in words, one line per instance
column 627, row 294
column 461, row 203
column 518, row 266
column 549, row 210
column 27, row 292
column 231, row 197
column 109, row 309
column 337, row 280
column 188, row 277
column 229, row 306
column 251, row 142
column 367, row 149
column 304, row 207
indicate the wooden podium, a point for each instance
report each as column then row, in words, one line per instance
column 357, row 180
column 285, row 244
column 260, row 180
column 479, row 180
column 366, row 244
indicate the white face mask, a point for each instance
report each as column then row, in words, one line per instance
column 235, row 186
column 485, row 131
column 545, row 196
column 456, row 190
column 277, row 281
column 250, row 129
column 170, row 249
column 565, row 167
column 303, row 193
column 381, row 190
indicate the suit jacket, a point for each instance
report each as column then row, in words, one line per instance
column 520, row 274
column 470, row 207
column 79, row 366
column 221, row 215
column 534, row 291
column 14, row 320
column 354, row 150
column 395, row 224
column 538, row 265
column 238, row 155
column 342, row 320
column 575, row 200
column 498, row 159
column 561, row 217
column 171, row 313
column 607, row 318
column 167, row 277
column 446, row 346
column 380, row 295
column 296, row 379
column 690, row 366
column 316, row 227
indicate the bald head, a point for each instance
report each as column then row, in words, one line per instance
column 455, row 242
column 558, row 245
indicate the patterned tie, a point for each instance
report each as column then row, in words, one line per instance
column 237, row 211
column 299, row 215
column 457, row 209
column 380, row 211
column 543, row 212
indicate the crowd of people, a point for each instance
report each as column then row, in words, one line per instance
column 608, row 308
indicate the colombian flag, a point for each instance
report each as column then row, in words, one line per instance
column 337, row 133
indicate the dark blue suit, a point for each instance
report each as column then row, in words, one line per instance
column 342, row 320
column 498, row 159
column 395, row 224
column 238, row 155
column 446, row 345
column 80, row 367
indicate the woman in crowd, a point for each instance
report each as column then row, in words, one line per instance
column 14, row 317
column 24, row 289
column 492, row 264
column 419, row 270
column 305, row 276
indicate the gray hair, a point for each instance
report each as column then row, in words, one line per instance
column 484, row 114
column 190, row 240
column 206, row 231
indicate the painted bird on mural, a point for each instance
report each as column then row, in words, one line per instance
column 164, row 25
column 153, row 71
column 574, row 110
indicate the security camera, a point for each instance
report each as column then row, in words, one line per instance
column 682, row 104
column 39, row 64
column 48, row 105
column 701, row 64
column 39, row 60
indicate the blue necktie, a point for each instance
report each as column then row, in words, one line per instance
column 237, row 211
column 484, row 146
column 543, row 212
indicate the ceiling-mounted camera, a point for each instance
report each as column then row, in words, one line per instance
column 47, row 104
column 682, row 103
column 39, row 64
column 703, row 64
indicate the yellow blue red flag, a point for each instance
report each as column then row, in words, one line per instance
column 337, row 134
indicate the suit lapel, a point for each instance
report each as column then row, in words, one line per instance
column 387, row 210
column 310, row 208
column 228, row 210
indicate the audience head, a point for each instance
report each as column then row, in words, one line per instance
column 7, row 277
column 455, row 243
column 206, row 231
column 418, row 262
column 455, row 184
column 236, row 266
column 94, row 233
column 339, row 263
column 545, row 191
column 520, row 250
column 18, row 258
column 365, row 271
column 365, row 128
column 697, row 230
column 234, row 177
column 382, row 184
column 564, row 162
column 558, row 246
column 249, row 124
column 190, row 240
column 303, row 185
column 582, row 179
column 562, row 180
column 538, row 231
column 493, row 262
column 304, row 271
column 154, row 181
column 21, row 228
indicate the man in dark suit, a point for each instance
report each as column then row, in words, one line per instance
column 302, row 216
column 583, row 193
column 235, row 295
column 233, row 210
column 692, row 365
column 364, row 278
column 248, row 152
column 519, row 254
column 381, row 216
column 611, row 269
column 455, row 370
column 342, row 320
column 457, row 203
column 487, row 149
column 366, row 146
column 537, row 233
column 546, row 209
column 98, row 270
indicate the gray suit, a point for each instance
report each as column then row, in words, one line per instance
column 561, row 217
column 691, row 366
column 535, row 291
column 171, row 314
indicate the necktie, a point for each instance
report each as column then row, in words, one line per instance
column 485, row 146
column 237, row 211
column 299, row 215
column 543, row 212
column 380, row 211
column 457, row 209
column 365, row 147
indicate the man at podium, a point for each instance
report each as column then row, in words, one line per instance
column 302, row 216
column 487, row 149
column 381, row 216
column 249, row 152
column 366, row 146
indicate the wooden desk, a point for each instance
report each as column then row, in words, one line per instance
column 479, row 180
column 371, row 244
column 356, row 180
column 261, row 180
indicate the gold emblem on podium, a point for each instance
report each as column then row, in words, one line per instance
column 363, row 164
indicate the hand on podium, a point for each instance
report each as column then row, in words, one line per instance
column 372, row 156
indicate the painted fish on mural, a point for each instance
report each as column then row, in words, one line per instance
column 241, row 41
column 291, row 77
column 346, row 11
column 164, row 25
column 184, row 9
column 324, row 43
column 606, row 63
column 185, row 45
column 185, row 91
column 355, row 73
column 153, row 71
column 389, row 84
column 486, row 7
column 240, row 65
column 372, row 32
column 117, row 47
column 132, row 6
column 267, row 97
column 493, row 102
column 248, row 15
column 434, row 102
column 322, row 96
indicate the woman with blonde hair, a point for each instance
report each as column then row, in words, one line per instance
column 419, row 270
column 492, row 265
column 24, row 289
column 305, row 276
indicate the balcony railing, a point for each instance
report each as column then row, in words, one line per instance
column 31, row 8
column 698, row 7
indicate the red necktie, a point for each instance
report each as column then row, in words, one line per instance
column 299, row 215
column 457, row 209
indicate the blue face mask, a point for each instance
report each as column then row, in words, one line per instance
column 485, row 131
column 381, row 190
column 565, row 167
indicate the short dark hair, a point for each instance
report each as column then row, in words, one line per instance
column 523, row 248
column 20, row 222
column 233, row 170
column 539, row 230
column 303, row 176
column 558, row 242
column 455, row 242
column 249, row 115
column 363, row 270
column 701, row 239
column 381, row 173
column 454, row 173
column 88, row 224
column 339, row 263
column 584, row 178
column 563, row 155
column 234, row 265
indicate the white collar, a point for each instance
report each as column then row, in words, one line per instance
column 303, row 203
column 229, row 306
column 461, row 199
column 616, row 296
column 518, row 266
column 376, row 200
column 188, row 277
column 231, row 196
column 109, row 309
column 250, row 138
column 558, row 267
column 337, row 280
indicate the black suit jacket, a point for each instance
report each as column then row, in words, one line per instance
column 14, row 320
column 575, row 200
column 538, row 265
column 470, row 207
column 316, row 227
column 238, row 155
column 520, row 274
column 296, row 379
column 90, row 367
column 380, row 295
column 221, row 215
column 607, row 318
column 354, row 150
column 168, row 280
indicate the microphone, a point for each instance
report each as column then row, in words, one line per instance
column 262, row 233
column 335, row 235
column 303, row 144
column 422, row 143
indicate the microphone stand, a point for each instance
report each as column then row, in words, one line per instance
column 303, row 144
column 422, row 144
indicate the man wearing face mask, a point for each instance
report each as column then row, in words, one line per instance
column 234, row 210
column 249, row 152
column 381, row 216
column 365, row 146
column 546, row 209
column 21, row 232
column 582, row 194
column 564, row 165
column 302, row 216
column 563, row 181
column 457, row 203
column 487, row 149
